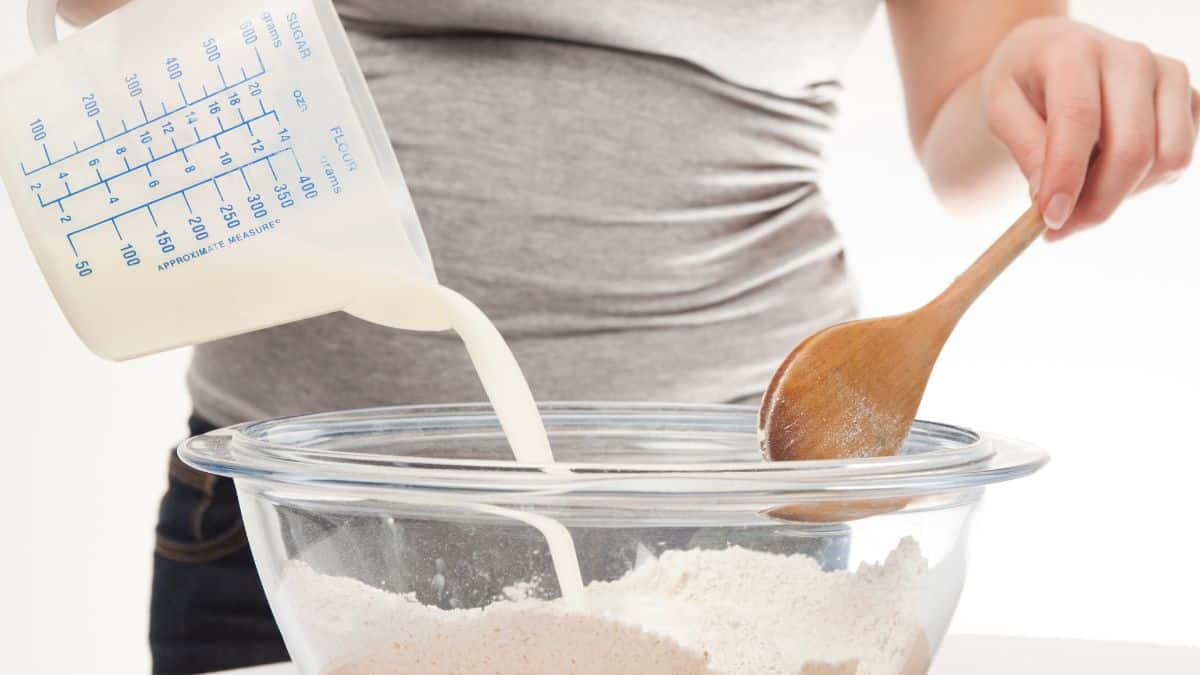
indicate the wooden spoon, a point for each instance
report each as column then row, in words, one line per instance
column 852, row 390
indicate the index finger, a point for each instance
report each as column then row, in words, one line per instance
column 1071, row 78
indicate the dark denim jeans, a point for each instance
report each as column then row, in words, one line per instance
column 207, row 607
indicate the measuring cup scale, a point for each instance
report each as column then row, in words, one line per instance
column 185, row 172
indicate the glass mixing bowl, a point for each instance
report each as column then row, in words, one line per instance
column 406, row 540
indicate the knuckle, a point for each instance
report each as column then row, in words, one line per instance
column 997, row 117
column 1073, row 46
column 1176, row 157
column 1068, row 53
column 1028, row 156
column 1134, row 154
column 1176, row 69
column 1080, row 113
column 1064, row 175
column 1092, row 213
column 1138, row 53
column 1136, row 151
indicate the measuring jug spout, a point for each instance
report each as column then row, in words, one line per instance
column 192, row 183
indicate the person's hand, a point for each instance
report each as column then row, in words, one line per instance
column 1089, row 117
column 83, row 12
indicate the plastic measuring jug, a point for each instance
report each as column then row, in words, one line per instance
column 188, row 171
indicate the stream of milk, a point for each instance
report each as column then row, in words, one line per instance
column 515, row 408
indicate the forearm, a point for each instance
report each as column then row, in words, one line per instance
column 83, row 12
column 943, row 48
column 969, row 169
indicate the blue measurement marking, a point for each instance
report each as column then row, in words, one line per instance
column 151, row 212
column 220, row 124
column 164, row 107
column 76, row 145
column 148, row 171
column 295, row 158
column 218, row 140
column 115, row 228
column 145, row 116
column 182, row 95
column 272, row 168
column 245, row 180
column 130, row 168
column 60, row 207
column 204, row 88
column 151, row 151
column 221, row 73
column 183, row 191
column 186, row 201
column 197, row 131
column 51, row 162
column 174, row 146
column 251, row 163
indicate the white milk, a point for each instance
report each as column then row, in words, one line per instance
column 519, row 418
column 558, row 540
column 391, row 300
column 506, row 388
column 499, row 373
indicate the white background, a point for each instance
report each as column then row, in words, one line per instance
column 1086, row 347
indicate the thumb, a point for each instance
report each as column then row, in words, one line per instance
column 1016, row 123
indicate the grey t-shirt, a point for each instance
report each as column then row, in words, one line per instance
column 628, row 188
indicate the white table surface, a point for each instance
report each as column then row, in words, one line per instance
column 980, row 655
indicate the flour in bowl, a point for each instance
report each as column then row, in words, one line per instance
column 686, row 612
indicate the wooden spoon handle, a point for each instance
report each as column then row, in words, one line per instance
column 970, row 284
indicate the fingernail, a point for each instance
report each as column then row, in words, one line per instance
column 1035, row 181
column 1057, row 211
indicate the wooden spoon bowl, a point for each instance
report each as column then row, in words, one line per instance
column 852, row 390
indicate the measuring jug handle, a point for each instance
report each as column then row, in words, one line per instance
column 39, row 16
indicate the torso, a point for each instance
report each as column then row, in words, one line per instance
column 779, row 46
column 629, row 189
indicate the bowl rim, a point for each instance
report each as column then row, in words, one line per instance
column 949, row 457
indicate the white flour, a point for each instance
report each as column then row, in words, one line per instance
column 728, row 611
